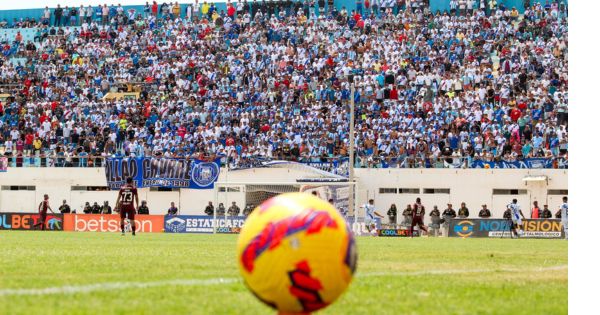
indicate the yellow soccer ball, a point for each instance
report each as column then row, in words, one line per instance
column 296, row 253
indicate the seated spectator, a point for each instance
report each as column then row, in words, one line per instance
column 64, row 208
column 234, row 210
column 172, row 210
column 143, row 208
column 484, row 213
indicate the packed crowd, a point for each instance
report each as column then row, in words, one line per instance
column 275, row 82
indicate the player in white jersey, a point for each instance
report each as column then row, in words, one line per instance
column 517, row 218
column 564, row 216
column 370, row 214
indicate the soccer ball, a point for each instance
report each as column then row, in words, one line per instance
column 296, row 253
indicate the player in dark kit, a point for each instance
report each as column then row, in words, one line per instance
column 125, row 202
column 417, row 217
column 43, row 211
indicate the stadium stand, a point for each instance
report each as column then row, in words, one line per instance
column 272, row 81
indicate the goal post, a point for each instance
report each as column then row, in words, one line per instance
column 255, row 193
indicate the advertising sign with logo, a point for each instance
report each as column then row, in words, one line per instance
column 161, row 172
column 397, row 233
column 203, row 224
column 28, row 221
column 359, row 227
column 111, row 223
column 532, row 228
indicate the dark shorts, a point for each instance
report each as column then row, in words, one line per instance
column 42, row 220
column 417, row 221
column 127, row 211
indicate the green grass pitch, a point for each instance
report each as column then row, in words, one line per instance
column 96, row 273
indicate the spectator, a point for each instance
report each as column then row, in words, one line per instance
column 508, row 215
column 448, row 215
column 407, row 216
column 87, row 209
column 172, row 210
column 64, row 208
column 221, row 210
column 248, row 209
column 106, row 208
column 96, row 209
column 463, row 212
column 143, row 208
column 210, row 209
column 535, row 211
column 558, row 214
column 546, row 214
column 234, row 210
column 484, row 213
column 412, row 111
column 392, row 213
column 435, row 221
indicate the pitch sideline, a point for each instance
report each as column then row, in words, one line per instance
column 106, row 286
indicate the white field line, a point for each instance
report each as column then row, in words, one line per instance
column 108, row 286
column 456, row 271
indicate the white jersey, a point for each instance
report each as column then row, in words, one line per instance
column 370, row 211
column 564, row 212
column 515, row 211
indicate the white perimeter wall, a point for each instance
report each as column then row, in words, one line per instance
column 473, row 186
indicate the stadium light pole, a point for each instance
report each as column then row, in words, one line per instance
column 351, row 151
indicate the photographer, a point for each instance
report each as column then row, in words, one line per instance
column 407, row 214
column 463, row 212
column 143, row 209
column 64, row 208
column 436, row 221
column 392, row 212
column 448, row 215
column 210, row 209
column 484, row 213
column 546, row 214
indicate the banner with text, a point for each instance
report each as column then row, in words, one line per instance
column 532, row 228
column 161, row 172
column 111, row 223
column 203, row 224
column 525, row 163
column 359, row 227
column 28, row 221
column 397, row 233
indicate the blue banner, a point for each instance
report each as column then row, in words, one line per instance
column 525, row 163
column 161, row 172
column 203, row 224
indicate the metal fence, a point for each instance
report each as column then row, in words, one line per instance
column 334, row 165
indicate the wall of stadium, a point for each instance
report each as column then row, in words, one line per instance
column 385, row 186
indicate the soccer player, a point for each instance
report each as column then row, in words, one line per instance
column 417, row 217
column 516, row 216
column 564, row 216
column 127, row 194
column 370, row 214
column 43, row 211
